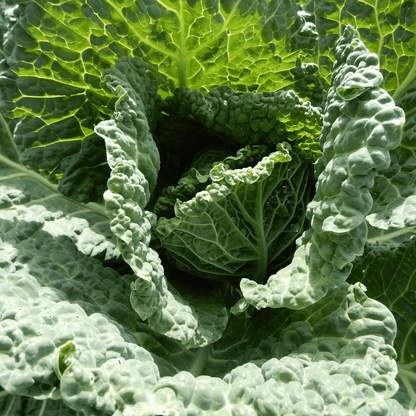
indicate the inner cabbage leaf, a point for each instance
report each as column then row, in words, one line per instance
column 244, row 221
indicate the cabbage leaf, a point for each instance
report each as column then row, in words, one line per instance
column 207, row 207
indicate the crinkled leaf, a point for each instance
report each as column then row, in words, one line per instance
column 129, row 80
column 30, row 204
column 361, row 125
column 334, row 357
column 251, row 118
column 197, row 178
column 53, row 268
column 56, row 53
column 242, row 222
column 254, row 44
column 58, row 264
column 42, row 80
column 37, row 322
column 388, row 271
column 388, row 28
column 392, row 217
column 128, row 142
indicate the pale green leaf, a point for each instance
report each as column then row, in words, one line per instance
column 355, row 147
column 128, row 142
column 388, row 271
column 30, row 204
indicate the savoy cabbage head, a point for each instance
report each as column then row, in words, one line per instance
column 207, row 207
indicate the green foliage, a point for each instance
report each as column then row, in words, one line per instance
column 388, row 271
column 388, row 29
column 243, row 222
column 207, row 207
column 251, row 118
column 355, row 147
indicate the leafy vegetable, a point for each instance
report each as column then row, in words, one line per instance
column 241, row 224
column 355, row 147
column 132, row 156
column 251, row 118
column 387, row 269
column 207, row 207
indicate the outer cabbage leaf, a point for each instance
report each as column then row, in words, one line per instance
column 334, row 357
column 51, row 267
column 57, row 264
column 59, row 105
column 388, row 28
column 129, row 75
column 251, row 118
column 56, row 53
column 243, row 220
column 253, row 44
column 51, row 349
column 392, row 217
column 130, row 148
column 388, row 271
column 30, row 204
column 361, row 125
